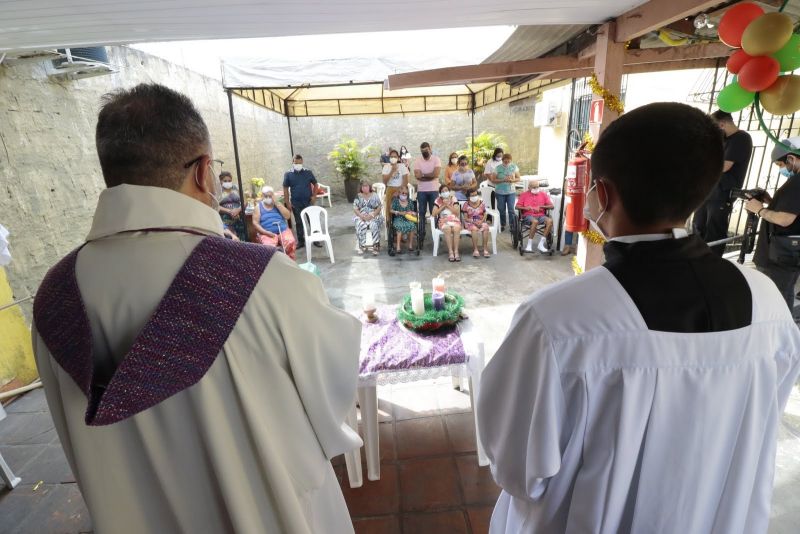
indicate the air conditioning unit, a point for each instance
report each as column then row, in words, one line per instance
column 546, row 114
column 77, row 63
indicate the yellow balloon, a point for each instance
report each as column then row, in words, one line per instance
column 783, row 96
column 767, row 34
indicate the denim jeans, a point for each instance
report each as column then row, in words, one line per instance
column 506, row 202
column 784, row 278
column 425, row 200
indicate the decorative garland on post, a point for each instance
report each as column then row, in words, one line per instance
column 611, row 100
column 592, row 237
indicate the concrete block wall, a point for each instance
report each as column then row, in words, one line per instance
column 49, row 174
column 315, row 137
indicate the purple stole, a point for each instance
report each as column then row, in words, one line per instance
column 178, row 344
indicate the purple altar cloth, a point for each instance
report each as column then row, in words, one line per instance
column 387, row 346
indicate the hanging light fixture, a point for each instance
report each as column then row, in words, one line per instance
column 702, row 21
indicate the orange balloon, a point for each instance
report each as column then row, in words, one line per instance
column 767, row 34
column 734, row 22
column 783, row 97
column 759, row 73
column 737, row 60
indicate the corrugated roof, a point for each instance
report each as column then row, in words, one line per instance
column 528, row 42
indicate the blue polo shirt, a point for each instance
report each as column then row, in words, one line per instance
column 299, row 182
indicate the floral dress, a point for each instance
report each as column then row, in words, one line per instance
column 368, row 206
column 446, row 215
column 399, row 222
column 473, row 217
column 231, row 200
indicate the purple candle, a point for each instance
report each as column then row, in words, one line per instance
column 438, row 301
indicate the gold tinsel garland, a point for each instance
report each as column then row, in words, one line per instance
column 612, row 101
column 576, row 267
column 587, row 138
column 593, row 237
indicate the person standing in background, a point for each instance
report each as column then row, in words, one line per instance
column 710, row 221
column 299, row 192
column 452, row 166
column 426, row 171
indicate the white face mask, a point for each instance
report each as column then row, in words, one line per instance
column 227, row 185
column 453, row 160
column 297, row 166
column 593, row 222
column 474, row 200
column 498, row 158
column 268, row 201
column 445, row 194
column 393, row 160
column 535, row 190
column 403, row 197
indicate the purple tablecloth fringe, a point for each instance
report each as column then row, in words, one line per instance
column 387, row 346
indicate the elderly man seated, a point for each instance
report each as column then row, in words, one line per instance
column 532, row 205
column 270, row 220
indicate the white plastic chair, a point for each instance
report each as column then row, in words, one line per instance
column 315, row 228
column 7, row 476
column 380, row 188
column 412, row 192
column 493, row 216
column 486, row 189
column 326, row 194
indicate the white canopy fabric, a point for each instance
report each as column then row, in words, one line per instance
column 33, row 24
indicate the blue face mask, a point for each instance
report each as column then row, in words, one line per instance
column 785, row 172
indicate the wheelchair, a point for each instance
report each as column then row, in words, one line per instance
column 392, row 236
column 521, row 232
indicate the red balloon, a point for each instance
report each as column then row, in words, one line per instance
column 759, row 73
column 734, row 22
column 737, row 60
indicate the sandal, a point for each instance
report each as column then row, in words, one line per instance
column 486, row 254
column 476, row 254
column 375, row 251
column 458, row 257
column 452, row 258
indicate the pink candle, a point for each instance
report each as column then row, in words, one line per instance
column 438, row 285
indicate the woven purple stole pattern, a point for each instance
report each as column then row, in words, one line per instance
column 178, row 344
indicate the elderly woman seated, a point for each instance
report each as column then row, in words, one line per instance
column 368, row 217
column 448, row 212
column 404, row 220
column 270, row 222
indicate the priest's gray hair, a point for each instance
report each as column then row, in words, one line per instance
column 146, row 135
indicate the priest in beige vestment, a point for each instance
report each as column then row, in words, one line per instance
column 197, row 385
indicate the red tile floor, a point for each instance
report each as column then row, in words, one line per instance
column 430, row 478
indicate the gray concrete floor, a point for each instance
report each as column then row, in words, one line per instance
column 48, row 500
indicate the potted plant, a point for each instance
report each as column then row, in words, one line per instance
column 350, row 162
column 484, row 145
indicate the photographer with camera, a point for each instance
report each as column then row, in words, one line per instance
column 710, row 220
column 778, row 249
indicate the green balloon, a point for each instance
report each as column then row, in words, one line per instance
column 733, row 98
column 789, row 55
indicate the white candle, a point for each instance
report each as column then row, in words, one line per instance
column 368, row 301
column 418, row 301
column 414, row 285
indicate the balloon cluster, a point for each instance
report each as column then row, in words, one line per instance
column 767, row 51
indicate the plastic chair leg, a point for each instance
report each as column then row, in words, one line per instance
column 309, row 244
column 7, row 475
column 368, row 400
column 352, row 459
column 329, row 246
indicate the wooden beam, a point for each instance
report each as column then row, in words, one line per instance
column 676, row 53
column 672, row 65
column 609, row 61
column 484, row 73
column 580, row 68
column 656, row 14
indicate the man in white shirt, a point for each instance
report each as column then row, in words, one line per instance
column 644, row 395
column 186, row 386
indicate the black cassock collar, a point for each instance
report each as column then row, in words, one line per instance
column 679, row 285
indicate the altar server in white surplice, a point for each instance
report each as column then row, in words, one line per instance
column 198, row 385
column 643, row 396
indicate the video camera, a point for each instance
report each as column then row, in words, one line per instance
column 746, row 194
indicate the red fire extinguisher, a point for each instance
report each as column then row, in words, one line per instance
column 579, row 169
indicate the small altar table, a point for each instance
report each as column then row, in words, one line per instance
column 391, row 354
